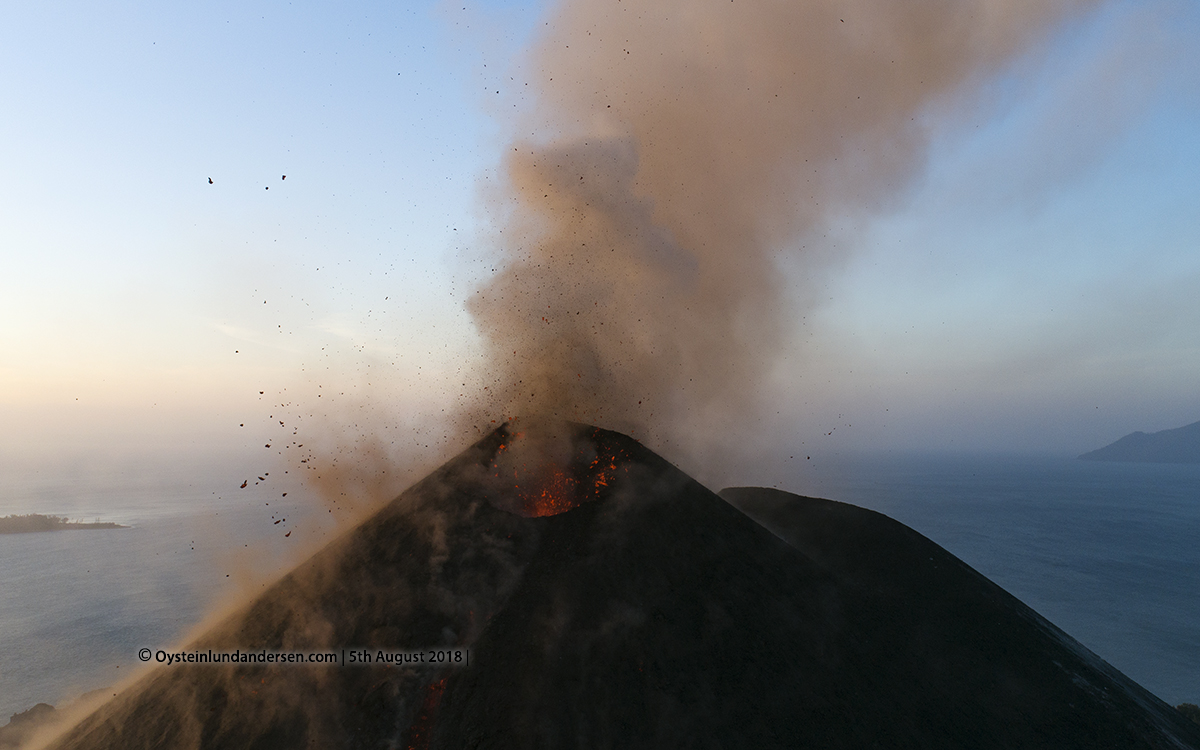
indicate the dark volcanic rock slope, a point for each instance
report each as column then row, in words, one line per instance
column 426, row 570
column 656, row 615
column 960, row 661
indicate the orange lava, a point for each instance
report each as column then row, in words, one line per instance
column 548, row 489
column 418, row 733
column 555, row 494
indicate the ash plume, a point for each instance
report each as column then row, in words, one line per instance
column 674, row 155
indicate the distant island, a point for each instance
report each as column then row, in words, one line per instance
column 1178, row 446
column 37, row 522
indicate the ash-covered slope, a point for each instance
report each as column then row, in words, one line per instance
column 618, row 603
column 981, row 665
column 426, row 570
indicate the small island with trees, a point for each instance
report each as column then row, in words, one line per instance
column 37, row 522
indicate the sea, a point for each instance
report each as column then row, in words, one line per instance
column 1108, row 552
column 76, row 606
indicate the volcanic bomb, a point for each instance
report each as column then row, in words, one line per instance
column 609, row 600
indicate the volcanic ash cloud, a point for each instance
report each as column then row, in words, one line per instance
column 672, row 153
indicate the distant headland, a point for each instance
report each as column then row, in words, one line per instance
column 1178, row 446
column 37, row 522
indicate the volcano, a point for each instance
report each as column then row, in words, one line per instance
column 608, row 600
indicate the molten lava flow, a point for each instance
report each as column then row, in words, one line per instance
column 418, row 733
column 553, row 480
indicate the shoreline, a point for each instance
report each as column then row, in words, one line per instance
column 36, row 522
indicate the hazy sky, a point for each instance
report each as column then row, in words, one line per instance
column 1038, row 288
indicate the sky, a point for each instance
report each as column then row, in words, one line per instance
column 1033, row 289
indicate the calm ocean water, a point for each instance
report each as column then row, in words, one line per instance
column 75, row 606
column 1108, row 552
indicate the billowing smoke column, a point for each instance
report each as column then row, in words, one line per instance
column 674, row 151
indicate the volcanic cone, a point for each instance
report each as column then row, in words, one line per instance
column 609, row 601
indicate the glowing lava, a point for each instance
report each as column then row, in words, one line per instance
column 553, row 474
column 422, row 725
column 554, row 494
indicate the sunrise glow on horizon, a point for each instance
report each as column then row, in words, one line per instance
column 200, row 204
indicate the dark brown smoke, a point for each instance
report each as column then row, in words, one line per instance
column 674, row 156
